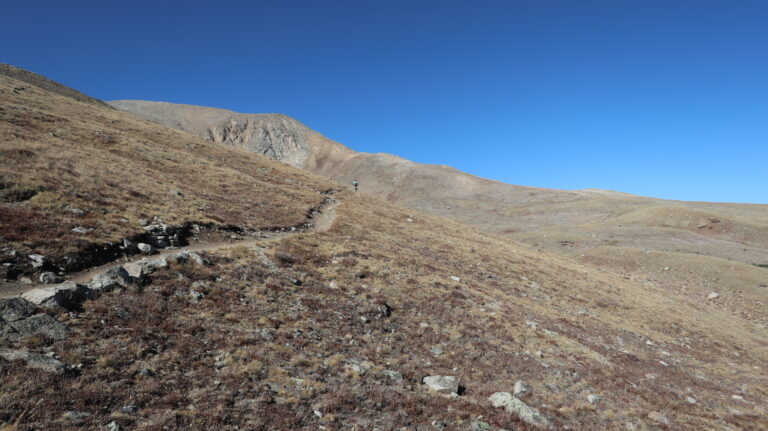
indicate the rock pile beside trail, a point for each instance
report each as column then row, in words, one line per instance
column 163, row 235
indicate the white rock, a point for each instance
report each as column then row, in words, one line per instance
column 442, row 384
column 713, row 295
column 146, row 248
column 593, row 399
column 691, row 400
column 513, row 405
column 38, row 260
column 456, row 279
column 135, row 269
column 521, row 389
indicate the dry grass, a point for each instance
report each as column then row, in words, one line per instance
column 59, row 155
column 311, row 322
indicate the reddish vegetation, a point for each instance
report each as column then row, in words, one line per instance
column 310, row 323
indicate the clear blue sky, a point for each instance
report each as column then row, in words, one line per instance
column 659, row 98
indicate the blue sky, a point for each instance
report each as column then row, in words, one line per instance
column 658, row 98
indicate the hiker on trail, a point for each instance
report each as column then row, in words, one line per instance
column 355, row 183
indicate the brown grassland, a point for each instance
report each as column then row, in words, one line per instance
column 298, row 333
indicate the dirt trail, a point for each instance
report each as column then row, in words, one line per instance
column 320, row 222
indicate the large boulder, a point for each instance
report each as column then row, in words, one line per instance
column 34, row 360
column 442, row 384
column 41, row 324
column 13, row 309
column 139, row 269
column 65, row 295
column 115, row 278
column 513, row 405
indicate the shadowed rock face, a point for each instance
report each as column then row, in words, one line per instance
column 274, row 135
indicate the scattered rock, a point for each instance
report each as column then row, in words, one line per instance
column 49, row 278
column 456, row 279
column 112, row 426
column 442, row 384
column 199, row 259
column 129, row 409
column 658, row 417
column 513, row 405
column 13, row 309
column 691, row 400
column 81, row 230
column 521, row 389
column 146, row 248
column 76, row 211
column 593, row 399
column 395, row 376
column 437, row 351
column 177, row 193
column 34, row 360
column 38, row 260
column 41, row 324
column 76, row 416
column 197, row 296
column 480, row 426
column 713, row 295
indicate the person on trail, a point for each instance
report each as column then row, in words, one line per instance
column 355, row 183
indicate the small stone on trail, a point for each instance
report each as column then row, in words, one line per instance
column 456, row 279
column 49, row 278
column 713, row 295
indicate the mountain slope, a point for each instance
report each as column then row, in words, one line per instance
column 334, row 327
column 581, row 224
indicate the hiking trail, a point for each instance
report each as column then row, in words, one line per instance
column 319, row 219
